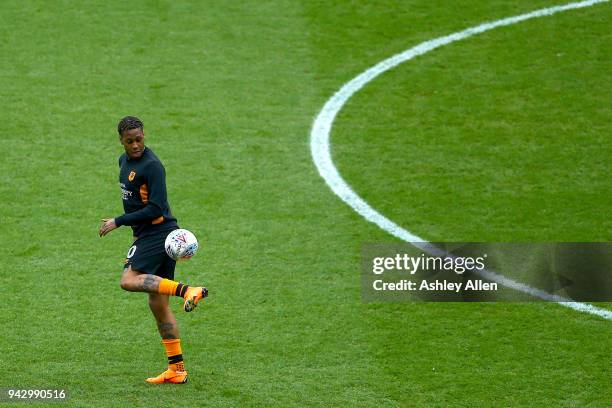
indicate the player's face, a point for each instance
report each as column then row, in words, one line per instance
column 133, row 142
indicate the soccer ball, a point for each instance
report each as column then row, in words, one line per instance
column 181, row 244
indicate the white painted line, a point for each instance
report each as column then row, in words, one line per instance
column 321, row 129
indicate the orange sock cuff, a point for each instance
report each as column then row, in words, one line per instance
column 167, row 287
column 173, row 347
column 175, row 356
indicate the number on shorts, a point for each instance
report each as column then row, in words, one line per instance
column 131, row 251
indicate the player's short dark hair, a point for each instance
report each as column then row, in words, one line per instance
column 129, row 123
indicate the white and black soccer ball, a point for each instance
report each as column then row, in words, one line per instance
column 181, row 244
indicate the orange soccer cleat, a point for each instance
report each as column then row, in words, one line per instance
column 192, row 296
column 169, row 376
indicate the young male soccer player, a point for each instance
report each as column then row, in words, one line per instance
column 147, row 268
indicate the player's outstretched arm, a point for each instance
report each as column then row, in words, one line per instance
column 108, row 224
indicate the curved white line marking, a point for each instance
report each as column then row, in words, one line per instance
column 319, row 146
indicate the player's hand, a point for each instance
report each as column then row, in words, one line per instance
column 108, row 224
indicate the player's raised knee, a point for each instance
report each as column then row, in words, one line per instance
column 126, row 283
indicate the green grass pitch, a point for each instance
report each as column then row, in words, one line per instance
column 501, row 137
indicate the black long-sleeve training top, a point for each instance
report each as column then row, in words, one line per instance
column 145, row 200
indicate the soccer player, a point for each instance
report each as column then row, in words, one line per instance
column 147, row 267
